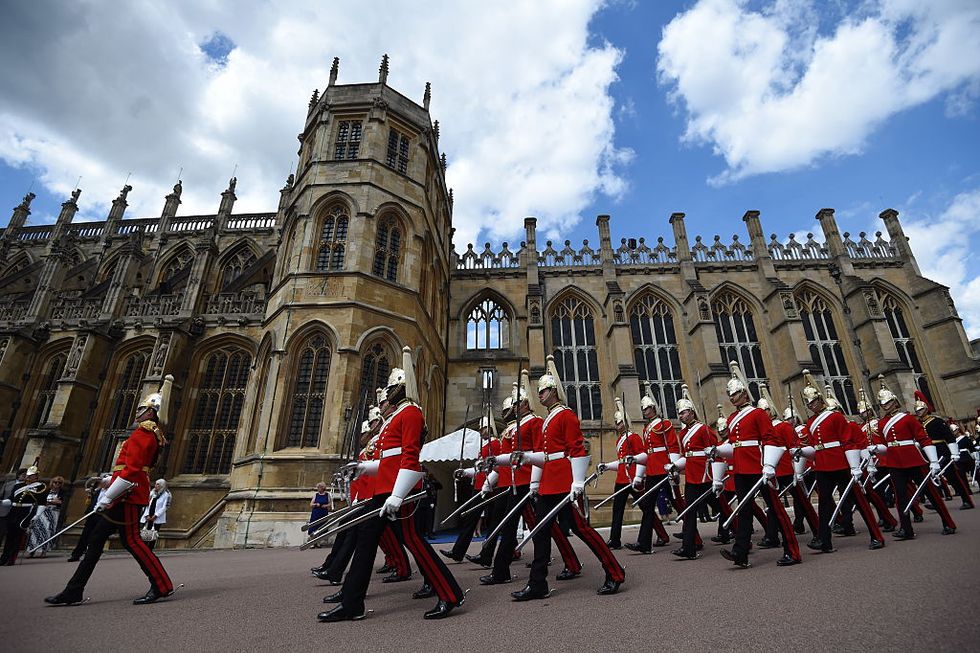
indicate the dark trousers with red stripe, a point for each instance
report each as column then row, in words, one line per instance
column 366, row 539
column 691, row 539
column 802, row 507
column 122, row 519
column 650, row 521
column 544, row 504
column 394, row 549
column 743, row 528
column 953, row 475
column 618, row 511
column 877, row 499
column 904, row 477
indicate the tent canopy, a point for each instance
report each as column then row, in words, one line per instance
column 446, row 448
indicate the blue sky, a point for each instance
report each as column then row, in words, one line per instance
column 562, row 109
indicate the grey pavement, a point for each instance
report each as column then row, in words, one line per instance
column 916, row 596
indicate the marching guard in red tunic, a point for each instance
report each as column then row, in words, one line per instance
column 695, row 440
column 785, row 436
column 398, row 475
column 912, row 457
column 754, row 452
column 661, row 448
column 876, row 466
column 947, row 448
column 121, row 504
column 563, row 463
column 628, row 446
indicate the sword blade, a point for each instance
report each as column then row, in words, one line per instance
column 513, row 512
column 879, row 483
column 64, row 530
column 487, row 502
column 355, row 521
column 650, row 491
column 337, row 519
column 612, row 496
column 546, row 522
column 749, row 498
column 918, row 491
column 462, row 507
column 693, row 503
column 326, row 518
column 841, row 502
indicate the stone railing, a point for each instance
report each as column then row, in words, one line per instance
column 87, row 229
column 247, row 222
column 865, row 249
column 76, row 308
column 568, row 256
column 145, row 225
column 234, row 303
column 487, row 259
column 796, row 251
column 13, row 311
column 718, row 252
column 153, row 305
column 191, row 223
column 38, row 232
column 633, row 252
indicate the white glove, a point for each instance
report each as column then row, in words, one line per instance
column 724, row 450
column 933, row 458
column 954, row 451
column 857, row 474
column 639, row 481
column 404, row 482
column 799, row 469
column 877, row 449
column 768, row 472
column 872, row 469
column 117, row 489
column 535, row 484
column 367, row 467
column 462, row 473
column 680, row 464
column 669, row 468
column 580, row 467
column 489, row 484
column 718, row 485
column 536, row 458
column 607, row 467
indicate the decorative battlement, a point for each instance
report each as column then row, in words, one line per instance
column 796, row 251
column 718, row 252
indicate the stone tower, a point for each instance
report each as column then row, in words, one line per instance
column 362, row 270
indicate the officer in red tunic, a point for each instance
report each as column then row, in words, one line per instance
column 947, row 449
column 398, row 475
column 695, row 440
column 754, row 452
column 876, row 466
column 121, row 504
column 785, row 436
column 520, row 436
column 912, row 458
column 660, row 442
column 561, row 457
column 628, row 446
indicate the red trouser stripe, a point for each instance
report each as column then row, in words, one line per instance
column 680, row 505
column 964, row 488
column 883, row 512
column 129, row 533
column 800, row 499
column 394, row 554
column 424, row 560
column 790, row 544
column 565, row 548
column 598, row 546
column 869, row 518
column 940, row 505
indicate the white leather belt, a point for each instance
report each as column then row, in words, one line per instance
column 827, row 445
column 696, row 454
column 22, row 505
column 557, row 455
column 901, row 443
column 746, row 443
column 387, row 453
column 656, row 449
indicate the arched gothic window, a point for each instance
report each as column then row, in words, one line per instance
column 825, row 347
column 387, row 245
column 235, row 265
column 574, row 348
column 125, row 398
column 904, row 342
column 333, row 240
column 221, row 393
column 177, row 264
column 737, row 338
column 309, row 393
column 55, row 368
column 655, row 351
column 487, row 326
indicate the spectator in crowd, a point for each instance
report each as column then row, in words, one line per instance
column 155, row 514
column 46, row 519
column 320, row 505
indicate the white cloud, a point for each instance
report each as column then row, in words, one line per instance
column 101, row 90
column 945, row 246
column 769, row 93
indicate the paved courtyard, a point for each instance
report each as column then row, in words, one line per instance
column 916, row 596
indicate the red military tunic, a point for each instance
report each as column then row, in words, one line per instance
column 399, row 444
column 629, row 444
column 749, row 429
column 830, row 434
column 560, row 439
column 660, row 439
column 694, row 439
column 491, row 448
column 785, row 436
column 872, row 435
column 530, row 433
column 137, row 455
column 904, row 436
column 362, row 487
